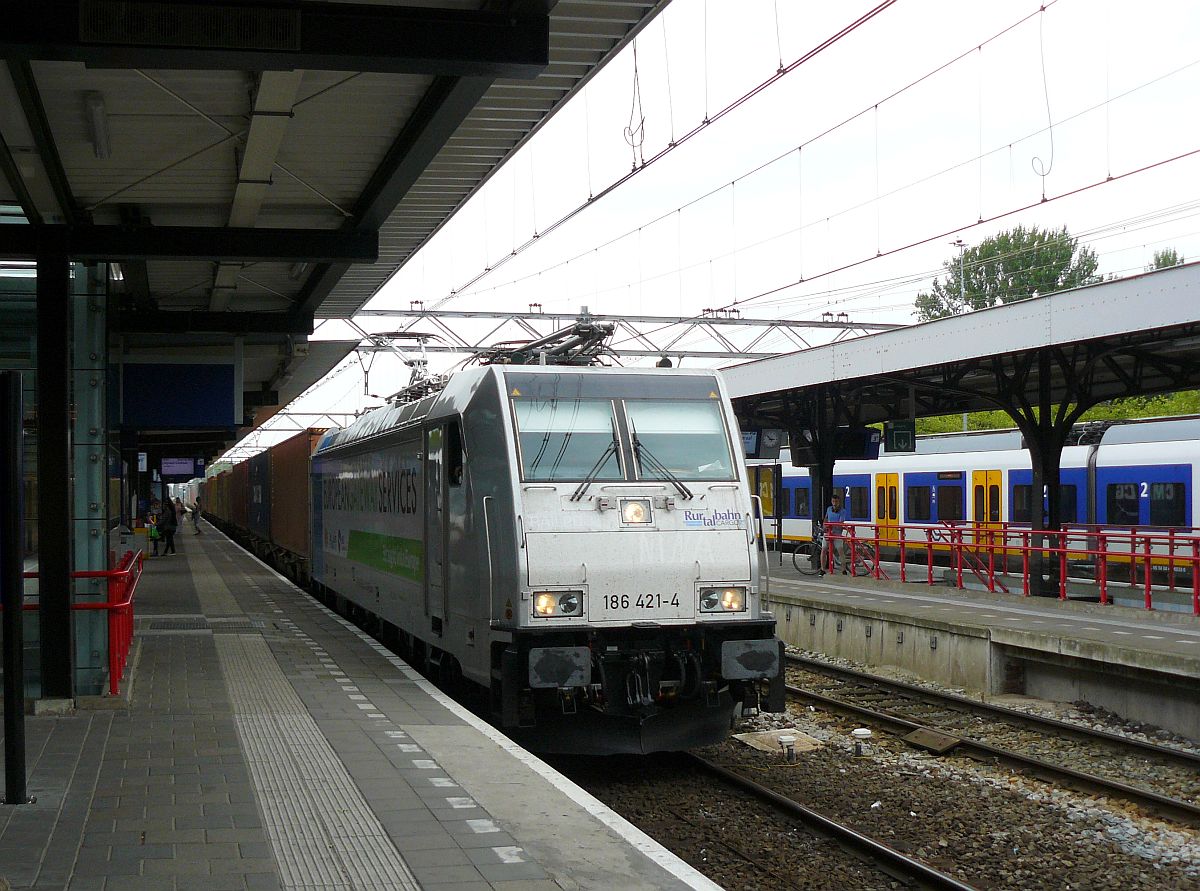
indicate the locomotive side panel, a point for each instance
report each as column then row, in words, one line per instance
column 368, row 511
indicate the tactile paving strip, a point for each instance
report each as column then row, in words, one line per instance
column 324, row 834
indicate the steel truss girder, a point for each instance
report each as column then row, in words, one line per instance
column 662, row 340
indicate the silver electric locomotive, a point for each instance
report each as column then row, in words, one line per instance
column 579, row 542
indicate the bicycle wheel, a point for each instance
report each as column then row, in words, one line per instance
column 806, row 559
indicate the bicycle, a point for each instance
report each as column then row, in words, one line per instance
column 806, row 556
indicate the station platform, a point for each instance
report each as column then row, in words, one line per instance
column 263, row 742
column 1143, row 665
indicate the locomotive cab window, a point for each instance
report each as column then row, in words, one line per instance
column 685, row 439
column 565, row 439
column 454, row 454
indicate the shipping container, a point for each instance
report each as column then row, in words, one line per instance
column 258, row 496
column 290, row 491
column 238, row 495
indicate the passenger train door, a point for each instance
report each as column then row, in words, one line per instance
column 435, row 528
column 887, row 506
column 986, row 489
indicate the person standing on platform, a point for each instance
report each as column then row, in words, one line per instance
column 168, row 522
column 196, row 515
column 152, row 531
column 834, row 551
column 180, row 513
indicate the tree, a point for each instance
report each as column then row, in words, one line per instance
column 1011, row 266
column 1165, row 259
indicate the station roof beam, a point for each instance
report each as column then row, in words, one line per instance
column 252, row 35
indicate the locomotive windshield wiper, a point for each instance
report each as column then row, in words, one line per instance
column 657, row 466
column 609, row 451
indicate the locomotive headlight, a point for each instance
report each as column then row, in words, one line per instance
column 558, row 603
column 635, row 511
column 731, row 599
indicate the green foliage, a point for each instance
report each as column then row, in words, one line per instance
column 976, row 420
column 1165, row 259
column 1011, row 266
column 1185, row 402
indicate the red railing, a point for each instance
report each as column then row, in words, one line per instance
column 989, row 551
column 122, row 586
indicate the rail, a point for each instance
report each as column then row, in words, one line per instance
column 122, row 586
column 990, row 551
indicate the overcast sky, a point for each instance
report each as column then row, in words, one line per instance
column 832, row 165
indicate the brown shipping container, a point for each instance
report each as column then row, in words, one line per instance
column 290, row 493
column 239, row 486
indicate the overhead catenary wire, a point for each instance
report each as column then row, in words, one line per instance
column 847, row 210
column 664, row 152
column 464, row 288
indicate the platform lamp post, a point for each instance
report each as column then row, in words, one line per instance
column 962, row 293
column 12, row 555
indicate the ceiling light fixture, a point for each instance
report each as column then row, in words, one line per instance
column 97, row 119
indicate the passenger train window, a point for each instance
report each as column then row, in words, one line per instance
column 802, row 510
column 1167, row 504
column 1123, row 504
column 993, row 504
column 1020, row 504
column 950, row 503
column 892, row 503
column 918, row 507
column 785, row 502
column 980, row 505
column 860, row 503
column 1068, row 504
column 881, row 502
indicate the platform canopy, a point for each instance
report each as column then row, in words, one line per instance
column 1045, row 361
column 250, row 165
column 1131, row 336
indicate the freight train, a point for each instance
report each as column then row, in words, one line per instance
column 576, row 543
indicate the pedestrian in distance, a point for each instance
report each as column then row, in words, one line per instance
column 180, row 513
column 167, row 524
column 196, row 516
column 835, row 544
column 153, row 532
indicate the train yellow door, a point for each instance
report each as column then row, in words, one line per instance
column 765, row 482
column 887, row 506
column 986, row 492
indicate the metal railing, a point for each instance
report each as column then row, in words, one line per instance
column 122, row 586
column 991, row 551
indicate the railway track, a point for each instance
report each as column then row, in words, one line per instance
column 890, row 861
column 1106, row 764
column 742, row 834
